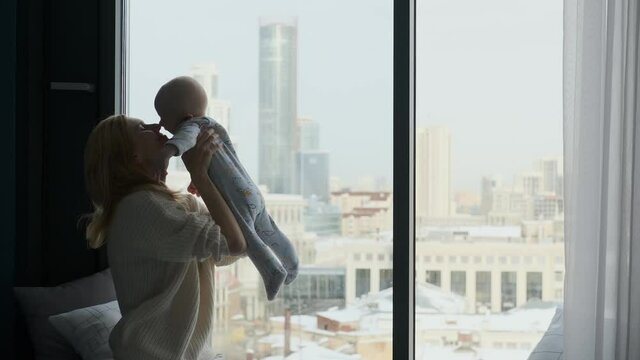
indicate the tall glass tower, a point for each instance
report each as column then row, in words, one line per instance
column 278, row 103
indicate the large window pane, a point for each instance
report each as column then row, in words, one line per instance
column 305, row 91
column 488, row 175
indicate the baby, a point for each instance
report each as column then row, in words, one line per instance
column 181, row 104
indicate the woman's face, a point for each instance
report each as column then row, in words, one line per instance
column 147, row 142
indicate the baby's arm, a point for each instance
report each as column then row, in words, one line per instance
column 184, row 138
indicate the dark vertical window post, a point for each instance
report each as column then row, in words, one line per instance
column 121, row 55
column 403, row 178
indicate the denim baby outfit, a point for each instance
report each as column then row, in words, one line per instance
column 268, row 248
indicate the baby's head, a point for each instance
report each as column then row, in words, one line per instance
column 179, row 99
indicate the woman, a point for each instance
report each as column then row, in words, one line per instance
column 162, row 245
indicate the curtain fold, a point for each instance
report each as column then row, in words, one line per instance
column 602, row 179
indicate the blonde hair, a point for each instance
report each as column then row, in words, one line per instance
column 111, row 173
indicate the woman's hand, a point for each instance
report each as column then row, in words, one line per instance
column 197, row 159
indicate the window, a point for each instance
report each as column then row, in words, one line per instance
column 363, row 282
column 559, row 276
column 386, row 278
column 483, row 291
column 508, row 290
column 469, row 70
column 433, row 277
column 487, row 189
column 559, row 294
column 534, row 285
column 528, row 260
column 295, row 109
column 459, row 282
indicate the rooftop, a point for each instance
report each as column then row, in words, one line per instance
column 472, row 231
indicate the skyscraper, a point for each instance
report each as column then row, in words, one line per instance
column 206, row 74
column 550, row 168
column 311, row 165
column 488, row 185
column 308, row 135
column 531, row 182
column 312, row 174
column 433, row 172
column 278, row 66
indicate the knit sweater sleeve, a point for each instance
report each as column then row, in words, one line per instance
column 165, row 230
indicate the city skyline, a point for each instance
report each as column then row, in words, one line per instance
column 312, row 104
column 496, row 119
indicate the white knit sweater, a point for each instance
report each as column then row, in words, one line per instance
column 162, row 259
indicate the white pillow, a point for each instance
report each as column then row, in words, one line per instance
column 88, row 329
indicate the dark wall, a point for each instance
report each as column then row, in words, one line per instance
column 49, row 42
column 7, row 182
column 61, row 41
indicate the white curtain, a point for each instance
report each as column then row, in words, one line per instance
column 602, row 180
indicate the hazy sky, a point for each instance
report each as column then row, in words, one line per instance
column 491, row 72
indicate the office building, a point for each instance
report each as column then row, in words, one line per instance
column 278, row 69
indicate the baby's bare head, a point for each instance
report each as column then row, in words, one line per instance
column 179, row 99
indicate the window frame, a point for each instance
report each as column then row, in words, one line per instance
column 121, row 68
column 404, row 56
column 404, row 124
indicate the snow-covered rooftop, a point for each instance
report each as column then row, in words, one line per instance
column 277, row 341
column 347, row 315
column 303, row 321
column 485, row 231
column 449, row 353
column 436, row 309
column 315, row 352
